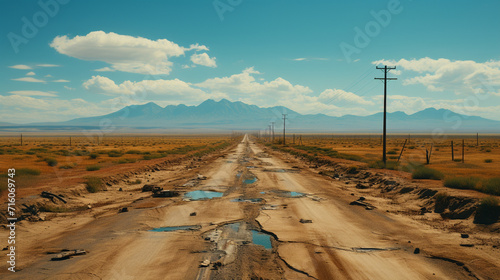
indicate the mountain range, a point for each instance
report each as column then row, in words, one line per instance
column 224, row 115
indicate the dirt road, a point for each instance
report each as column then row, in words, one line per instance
column 276, row 220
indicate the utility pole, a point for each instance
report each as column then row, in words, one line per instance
column 272, row 125
column 463, row 150
column 21, row 139
column 284, row 124
column 270, row 133
column 386, row 70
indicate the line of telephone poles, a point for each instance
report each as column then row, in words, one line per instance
column 270, row 128
column 386, row 70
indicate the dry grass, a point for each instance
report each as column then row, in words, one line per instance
column 481, row 161
column 54, row 158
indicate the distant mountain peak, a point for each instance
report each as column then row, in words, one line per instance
column 150, row 104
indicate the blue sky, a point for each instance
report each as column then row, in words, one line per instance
column 87, row 58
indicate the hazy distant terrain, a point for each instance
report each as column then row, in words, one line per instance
column 225, row 115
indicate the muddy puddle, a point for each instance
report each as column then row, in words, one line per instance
column 290, row 194
column 281, row 170
column 200, row 195
column 253, row 200
column 367, row 250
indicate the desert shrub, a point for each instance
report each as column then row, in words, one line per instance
column 442, row 202
column 115, row 153
column 93, row 155
column 488, row 160
column 153, row 156
column 27, row 171
column 411, row 147
column 64, row 153
column 352, row 170
column 51, row 161
column 376, row 164
column 488, row 150
column 426, row 173
column 461, row 183
column 136, row 182
column 66, row 166
column 490, row 186
column 392, row 152
column 80, row 152
column 133, row 152
column 94, row 184
column 93, row 167
column 487, row 211
column 126, row 160
column 391, row 165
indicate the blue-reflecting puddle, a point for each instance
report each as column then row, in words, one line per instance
column 164, row 229
column 262, row 239
column 296, row 194
column 198, row 195
column 250, row 181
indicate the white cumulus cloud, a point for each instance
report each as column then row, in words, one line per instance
column 48, row 65
column 459, row 76
column 335, row 96
column 29, row 79
column 21, row 67
column 123, row 53
column 174, row 90
column 203, row 59
column 33, row 93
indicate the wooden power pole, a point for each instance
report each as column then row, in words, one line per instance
column 386, row 70
column 284, row 124
column 272, row 126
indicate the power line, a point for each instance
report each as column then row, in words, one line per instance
column 386, row 70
